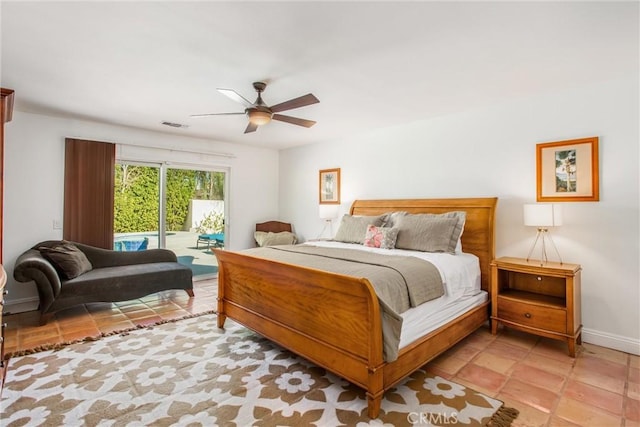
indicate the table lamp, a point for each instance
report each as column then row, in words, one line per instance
column 328, row 213
column 543, row 216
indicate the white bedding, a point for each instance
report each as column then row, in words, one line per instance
column 460, row 275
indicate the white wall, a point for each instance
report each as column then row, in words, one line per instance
column 491, row 152
column 34, row 180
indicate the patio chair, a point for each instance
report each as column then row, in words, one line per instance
column 216, row 240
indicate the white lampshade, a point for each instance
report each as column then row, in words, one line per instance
column 542, row 215
column 328, row 211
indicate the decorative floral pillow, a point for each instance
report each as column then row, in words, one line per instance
column 380, row 237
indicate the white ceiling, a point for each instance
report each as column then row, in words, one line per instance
column 372, row 65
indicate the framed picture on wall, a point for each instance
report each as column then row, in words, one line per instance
column 567, row 171
column 329, row 191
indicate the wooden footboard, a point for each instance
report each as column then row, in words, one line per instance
column 330, row 319
column 334, row 320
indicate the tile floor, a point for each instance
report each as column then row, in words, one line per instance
column 599, row 388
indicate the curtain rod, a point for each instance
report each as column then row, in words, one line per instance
column 208, row 153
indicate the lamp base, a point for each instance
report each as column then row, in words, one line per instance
column 544, row 233
column 327, row 223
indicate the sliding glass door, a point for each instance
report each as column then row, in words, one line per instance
column 195, row 217
column 189, row 203
column 136, row 206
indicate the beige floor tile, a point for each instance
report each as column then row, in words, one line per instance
column 553, row 349
column 86, row 323
column 494, row 362
column 450, row 365
column 601, row 366
column 539, row 377
column 632, row 410
column 518, row 338
column 605, row 353
column 537, row 397
column 591, row 395
column 480, row 339
column 437, row 371
column 485, row 378
column 634, row 375
column 474, row 386
column 585, row 415
column 115, row 327
column 633, row 390
column 604, row 381
column 559, row 422
column 528, row 416
column 555, row 366
column 119, row 317
column 634, row 361
column 507, row 349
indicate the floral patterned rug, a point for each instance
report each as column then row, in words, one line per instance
column 192, row 373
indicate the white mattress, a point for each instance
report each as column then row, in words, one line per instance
column 461, row 277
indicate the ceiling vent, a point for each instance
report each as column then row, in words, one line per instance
column 174, row 125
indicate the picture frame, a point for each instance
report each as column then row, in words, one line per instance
column 567, row 171
column 329, row 187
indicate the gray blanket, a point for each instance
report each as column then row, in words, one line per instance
column 400, row 282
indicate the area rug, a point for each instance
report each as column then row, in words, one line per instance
column 191, row 373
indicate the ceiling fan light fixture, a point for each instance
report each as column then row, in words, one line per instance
column 259, row 118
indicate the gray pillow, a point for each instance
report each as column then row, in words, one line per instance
column 429, row 232
column 354, row 228
column 264, row 238
column 68, row 260
column 391, row 218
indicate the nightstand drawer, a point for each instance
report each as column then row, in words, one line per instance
column 552, row 319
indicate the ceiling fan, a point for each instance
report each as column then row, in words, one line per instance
column 260, row 113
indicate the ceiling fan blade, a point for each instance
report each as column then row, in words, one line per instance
column 301, row 101
column 236, row 97
column 293, row 120
column 214, row 114
column 251, row 128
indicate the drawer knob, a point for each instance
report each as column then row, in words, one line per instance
column 527, row 315
column 539, row 278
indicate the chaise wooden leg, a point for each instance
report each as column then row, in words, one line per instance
column 190, row 292
column 45, row 317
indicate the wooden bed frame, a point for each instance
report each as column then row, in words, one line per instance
column 334, row 320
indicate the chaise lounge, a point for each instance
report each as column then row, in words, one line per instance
column 68, row 274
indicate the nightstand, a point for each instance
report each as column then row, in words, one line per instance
column 540, row 299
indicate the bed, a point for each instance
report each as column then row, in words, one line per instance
column 334, row 320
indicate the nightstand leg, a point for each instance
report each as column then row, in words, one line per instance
column 572, row 347
column 494, row 326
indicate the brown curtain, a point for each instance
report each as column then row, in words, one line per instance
column 88, row 192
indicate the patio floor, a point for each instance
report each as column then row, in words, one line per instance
column 201, row 260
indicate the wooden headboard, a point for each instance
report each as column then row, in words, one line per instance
column 478, row 236
column 273, row 226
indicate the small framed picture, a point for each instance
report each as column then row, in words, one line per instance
column 330, row 186
column 567, row 171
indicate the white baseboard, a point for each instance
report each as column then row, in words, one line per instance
column 21, row 305
column 616, row 342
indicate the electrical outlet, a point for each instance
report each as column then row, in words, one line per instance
column 57, row 224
